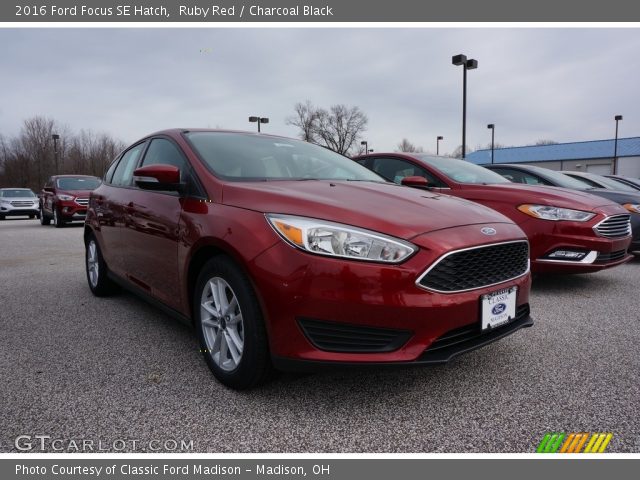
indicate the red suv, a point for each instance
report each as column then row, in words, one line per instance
column 283, row 253
column 65, row 198
column 569, row 231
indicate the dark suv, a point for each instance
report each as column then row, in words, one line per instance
column 65, row 198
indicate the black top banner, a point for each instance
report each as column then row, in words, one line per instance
column 165, row 11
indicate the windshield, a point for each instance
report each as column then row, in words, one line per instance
column 238, row 156
column 462, row 171
column 560, row 179
column 78, row 183
column 16, row 193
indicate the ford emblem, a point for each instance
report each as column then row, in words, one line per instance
column 498, row 309
column 488, row 230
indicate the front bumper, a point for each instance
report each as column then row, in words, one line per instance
column 70, row 211
column 547, row 237
column 443, row 350
column 9, row 210
column 294, row 285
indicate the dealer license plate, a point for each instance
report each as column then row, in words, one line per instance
column 498, row 307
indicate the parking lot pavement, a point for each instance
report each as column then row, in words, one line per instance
column 77, row 367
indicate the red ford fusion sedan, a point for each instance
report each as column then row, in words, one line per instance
column 569, row 231
column 284, row 254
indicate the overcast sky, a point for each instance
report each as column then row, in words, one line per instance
column 559, row 84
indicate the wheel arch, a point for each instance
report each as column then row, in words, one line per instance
column 200, row 254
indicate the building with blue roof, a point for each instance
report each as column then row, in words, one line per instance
column 594, row 156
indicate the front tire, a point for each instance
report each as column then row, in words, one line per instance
column 58, row 222
column 230, row 325
column 97, row 272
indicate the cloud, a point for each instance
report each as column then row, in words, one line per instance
column 560, row 84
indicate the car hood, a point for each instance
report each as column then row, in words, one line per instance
column 616, row 195
column 541, row 195
column 75, row 193
column 383, row 207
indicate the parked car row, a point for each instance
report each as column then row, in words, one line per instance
column 629, row 198
column 287, row 256
column 569, row 231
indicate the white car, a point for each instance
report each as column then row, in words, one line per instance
column 16, row 202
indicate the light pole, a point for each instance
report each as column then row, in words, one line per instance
column 617, row 118
column 493, row 131
column 366, row 146
column 466, row 65
column 260, row 120
column 438, row 138
column 55, row 137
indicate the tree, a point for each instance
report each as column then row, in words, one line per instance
column 28, row 159
column 543, row 141
column 339, row 128
column 457, row 153
column 305, row 118
column 406, row 146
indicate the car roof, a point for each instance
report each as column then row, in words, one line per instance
column 74, row 176
column 178, row 131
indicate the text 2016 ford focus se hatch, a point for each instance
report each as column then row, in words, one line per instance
column 282, row 253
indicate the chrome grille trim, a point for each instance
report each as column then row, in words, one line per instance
column 82, row 201
column 22, row 203
column 615, row 226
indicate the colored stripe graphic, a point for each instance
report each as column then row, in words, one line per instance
column 558, row 442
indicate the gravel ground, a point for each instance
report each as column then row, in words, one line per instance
column 76, row 367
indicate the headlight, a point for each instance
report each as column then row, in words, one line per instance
column 62, row 196
column 632, row 207
column 547, row 212
column 336, row 240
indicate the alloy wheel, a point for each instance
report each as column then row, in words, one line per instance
column 93, row 266
column 222, row 324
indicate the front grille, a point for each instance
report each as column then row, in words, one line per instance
column 82, row 201
column 470, row 332
column 477, row 267
column 348, row 338
column 22, row 203
column 614, row 226
column 611, row 256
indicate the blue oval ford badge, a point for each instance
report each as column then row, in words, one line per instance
column 499, row 308
column 488, row 230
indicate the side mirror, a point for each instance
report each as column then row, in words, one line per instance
column 415, row 181
column 48, row 189
column 158, row 177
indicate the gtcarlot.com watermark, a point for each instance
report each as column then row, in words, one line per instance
column 46, row 443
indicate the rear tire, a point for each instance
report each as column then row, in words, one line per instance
column 44, row 219
column 230, row 325
column 97, row 271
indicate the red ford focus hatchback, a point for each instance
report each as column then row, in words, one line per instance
column 282, row 253
column 569, row 231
